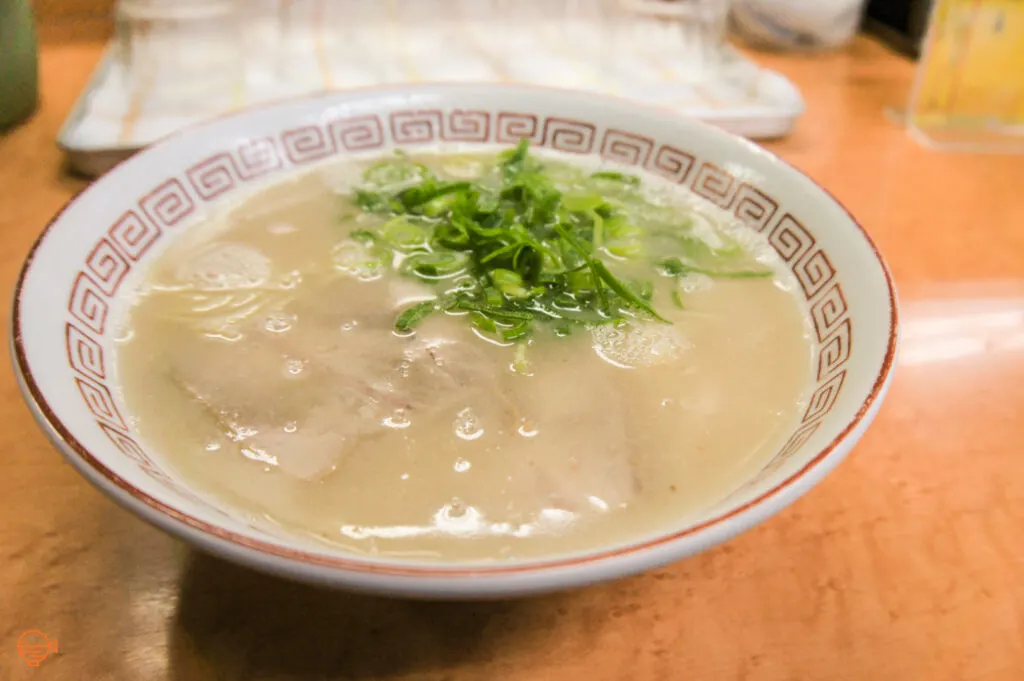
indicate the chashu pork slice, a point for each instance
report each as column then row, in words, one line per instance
column 568, row 452
column 303, row 397
column 584, row 458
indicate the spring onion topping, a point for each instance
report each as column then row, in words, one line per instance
column 519, row 247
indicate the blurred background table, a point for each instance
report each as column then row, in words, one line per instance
column 905, row 564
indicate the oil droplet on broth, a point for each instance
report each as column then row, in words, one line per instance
column 456, row 509
column 229, row 334
column 461, row 465
column 124, row 334
column 527, row 428
column 278, row 322
column 638, row 345
column 399, row 419
column 467, row 425
column 242, row 432
column 291, row 427
column 293, row 367
column 281, row 228
column 355, row 260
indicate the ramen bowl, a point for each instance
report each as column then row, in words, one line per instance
column 77, row 282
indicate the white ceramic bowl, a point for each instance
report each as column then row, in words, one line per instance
column 71, row 294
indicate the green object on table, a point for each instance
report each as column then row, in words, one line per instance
column 19, row 63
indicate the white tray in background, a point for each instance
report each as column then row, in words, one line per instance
column 111, row 120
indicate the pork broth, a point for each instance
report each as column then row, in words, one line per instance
column 290, row 365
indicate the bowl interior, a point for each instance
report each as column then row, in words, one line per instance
column 74, row 286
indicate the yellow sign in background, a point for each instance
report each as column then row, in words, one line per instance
column 971, row 73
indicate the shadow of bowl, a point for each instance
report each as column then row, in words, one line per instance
column 233, row 623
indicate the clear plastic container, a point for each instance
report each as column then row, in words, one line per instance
column 684, row 39
column 177, row 62
column 182, row 54
column 797, row 25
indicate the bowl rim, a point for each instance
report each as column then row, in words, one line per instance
column 179, row 522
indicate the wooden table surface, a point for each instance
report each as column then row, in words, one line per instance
column 906, row 564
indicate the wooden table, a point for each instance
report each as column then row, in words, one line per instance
column 906, row 564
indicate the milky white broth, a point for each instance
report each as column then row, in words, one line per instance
column 270, row 376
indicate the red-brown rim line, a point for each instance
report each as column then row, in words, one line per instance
column 435, row 571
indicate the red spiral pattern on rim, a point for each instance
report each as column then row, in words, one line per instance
column 357, row 133
column 753, row 207
column 626, row 148
column 132, row 235
column 100, row 402
column 257, row 156
column 835, row 350
column 714, row 184
column 107, row 266
column 512, row 127
column 168, row 204
column 466, row 126
column 800, row 437
column 814, row 272
column 415, row 127
column 131, row 449
column 573, row 137
column 84, row 354
column 307, row 144
column 213, row 176
column 824, row 398
column 125, row 444
column 672, row 164
column 828, row 311
column 795, row 442
column 790, row 239
column 87, row 303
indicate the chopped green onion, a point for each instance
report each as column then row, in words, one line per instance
column 394, row 171
column 674, row 267
column 413, row 316
column 492, row 297
column 627, row 250
column 528, row 245
column 617, row 286
column 509, row 283
column 483, row 322
column 437, row 265
column 497, row 313
column 520, row 364
column 403, row 234
column 517, row 332
column 598, row 222
column 581, row 203
column 363, row 235
column 630, row 180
